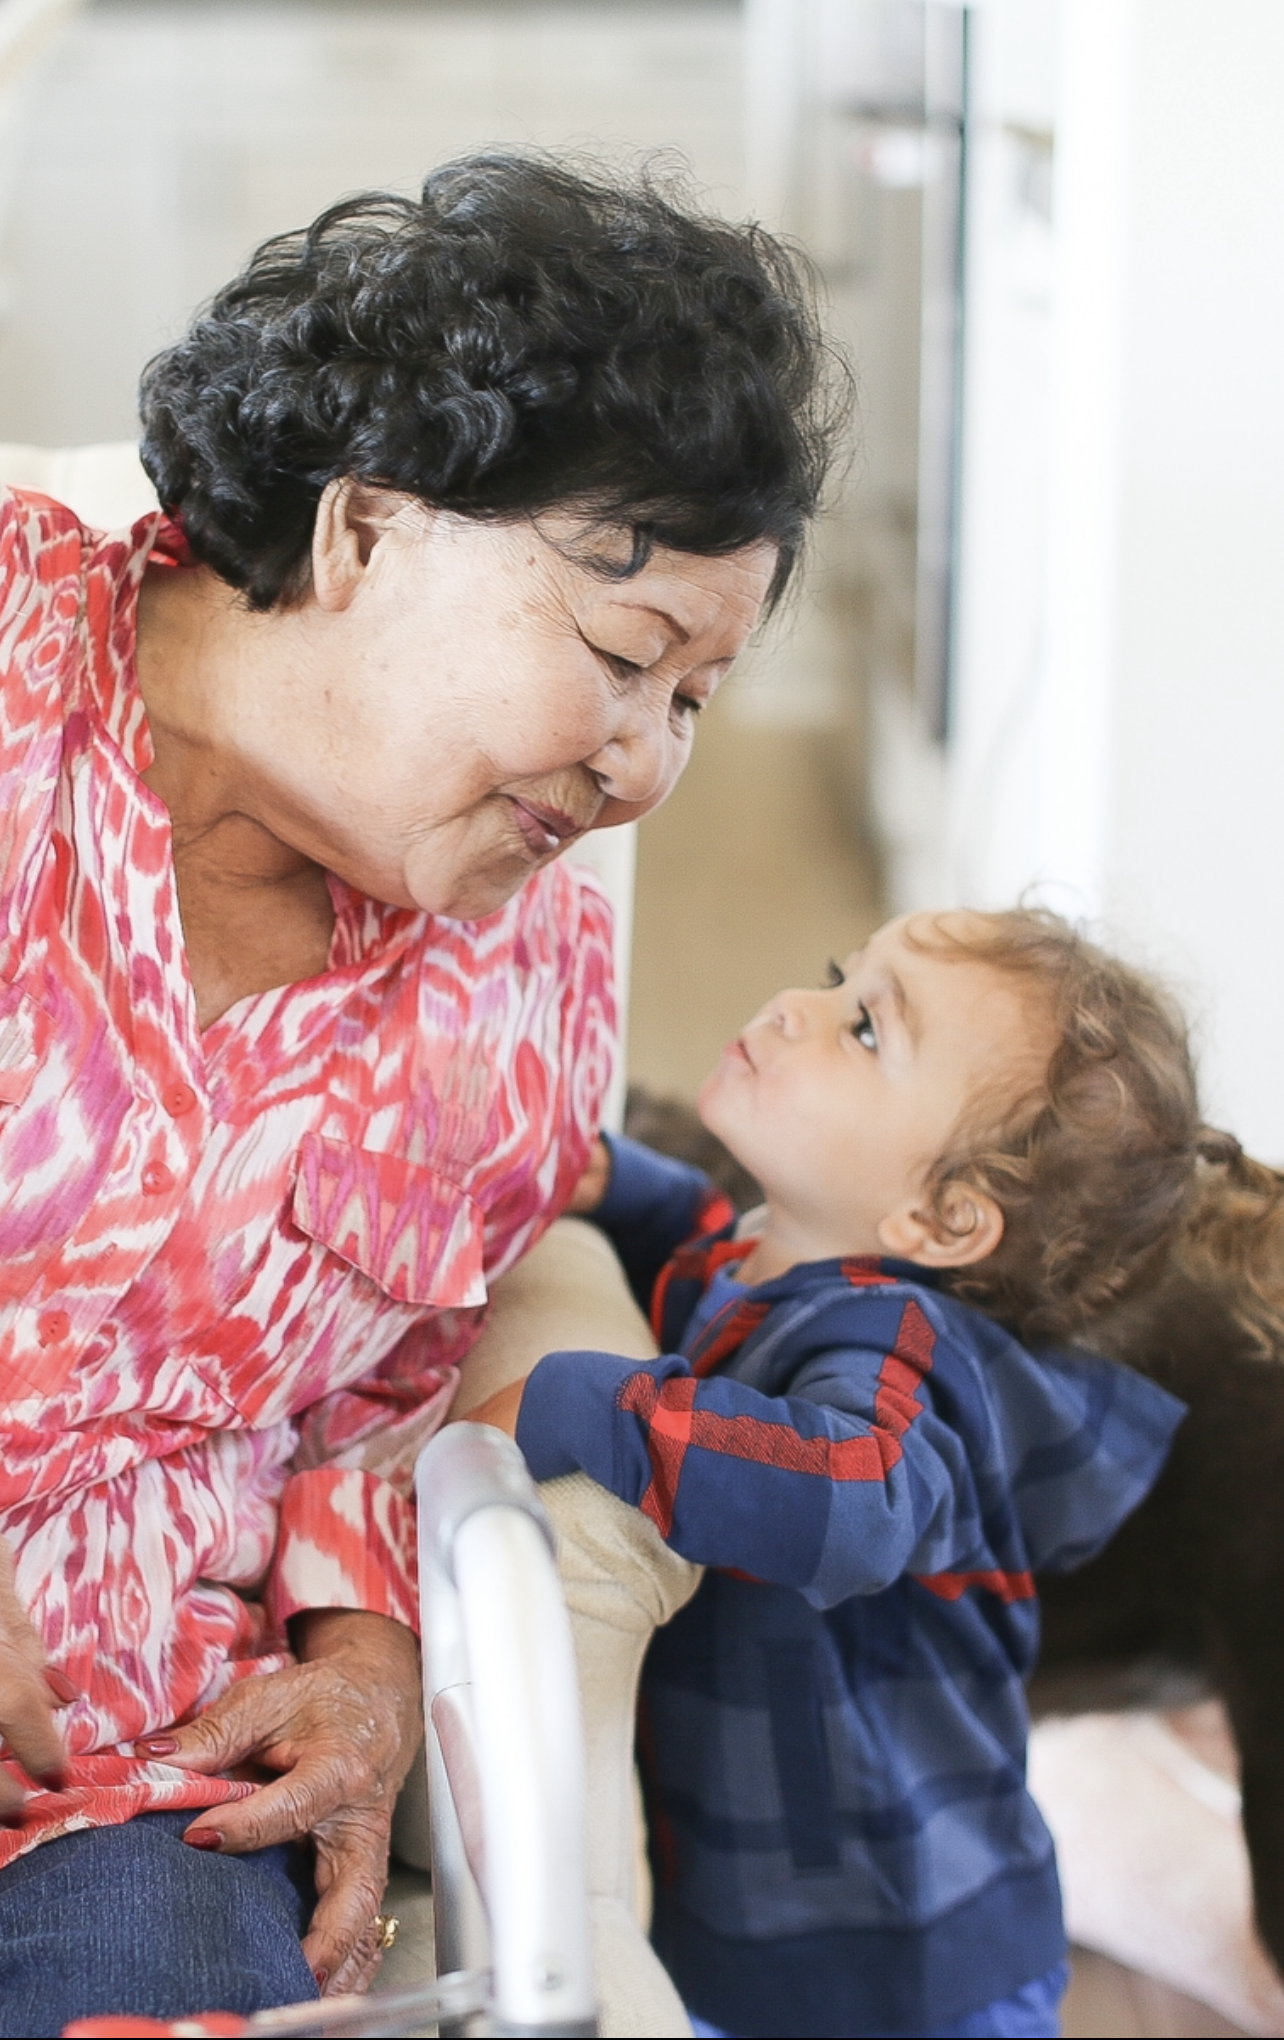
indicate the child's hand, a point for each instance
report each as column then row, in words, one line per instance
column 594, row 1183
column 500, row 1409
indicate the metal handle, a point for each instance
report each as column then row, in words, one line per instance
column 502, row 1721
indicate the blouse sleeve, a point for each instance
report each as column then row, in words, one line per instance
column 347, row 1536
column 41, row 549
column 347, row 1540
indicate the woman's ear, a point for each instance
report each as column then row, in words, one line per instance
column 966, row 1225
column 351, row 519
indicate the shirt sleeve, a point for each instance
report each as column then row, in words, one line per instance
column 347, row 1540
column 837, row 1488
column 653, row 1205
column 40, row 559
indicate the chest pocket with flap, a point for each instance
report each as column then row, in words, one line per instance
column 413, row 1232
column 24, row 1029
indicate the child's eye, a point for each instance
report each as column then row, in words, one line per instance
column 863, row 1029
column 834, row 975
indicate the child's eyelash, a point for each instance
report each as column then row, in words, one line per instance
column 863, row 1026
column 834, row 975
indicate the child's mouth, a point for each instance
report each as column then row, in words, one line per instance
column 737, row 1048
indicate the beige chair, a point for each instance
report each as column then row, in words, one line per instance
column 104, row 485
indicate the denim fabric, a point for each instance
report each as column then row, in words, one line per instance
column 129, row 1919
column 1032, row 2013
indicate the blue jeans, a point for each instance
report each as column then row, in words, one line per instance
column 129, row 1919
column 1031, row 2013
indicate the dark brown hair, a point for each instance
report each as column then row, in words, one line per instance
column 1101, row 1165
column 525, row 335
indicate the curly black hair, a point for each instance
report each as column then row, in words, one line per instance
column 522, row 336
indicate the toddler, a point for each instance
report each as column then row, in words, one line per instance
column 865, row 1423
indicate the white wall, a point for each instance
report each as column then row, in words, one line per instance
column 1001, row 621
column 165, row 141
column 1122, row 740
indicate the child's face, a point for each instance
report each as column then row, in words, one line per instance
column 840, row 1100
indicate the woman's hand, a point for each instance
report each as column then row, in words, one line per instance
column 341, row 1728
column 29, row 1691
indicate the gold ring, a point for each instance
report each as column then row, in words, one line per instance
column 387, row 1927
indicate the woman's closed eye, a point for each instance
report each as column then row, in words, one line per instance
column 623, row 669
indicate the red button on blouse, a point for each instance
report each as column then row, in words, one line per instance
column 178, row 1099
column 52, row 1327
column 156, row 1177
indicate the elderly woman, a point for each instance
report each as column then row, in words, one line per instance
column 470, row 503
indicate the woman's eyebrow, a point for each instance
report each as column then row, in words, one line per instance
column 676, row 632
column 666, row 604
column 666, row 616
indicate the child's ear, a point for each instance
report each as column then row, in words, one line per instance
column 965, row 1226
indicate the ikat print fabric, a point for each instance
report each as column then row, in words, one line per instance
column 226, row 1258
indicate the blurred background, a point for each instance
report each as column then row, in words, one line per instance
column 1040, row 643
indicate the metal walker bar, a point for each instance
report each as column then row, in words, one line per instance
column 504, row 1738
column 505, row 1755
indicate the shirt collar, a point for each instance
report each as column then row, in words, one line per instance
column 114, row 573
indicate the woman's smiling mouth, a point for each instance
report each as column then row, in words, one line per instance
column 544, row 830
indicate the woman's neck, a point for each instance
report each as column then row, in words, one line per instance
column 256, row 910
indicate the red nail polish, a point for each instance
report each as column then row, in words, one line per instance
column 54, row 1779
column 322, row 1978
column 61, row 1687
column 203, row 1838
column 157, row 1745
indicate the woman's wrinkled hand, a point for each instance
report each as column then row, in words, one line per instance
column 30, row 1690
column 341, row 1728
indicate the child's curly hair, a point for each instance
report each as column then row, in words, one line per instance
column 1103, row 1169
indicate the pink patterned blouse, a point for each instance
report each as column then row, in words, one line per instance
column 226, row 1258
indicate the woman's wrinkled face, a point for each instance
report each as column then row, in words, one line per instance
column 481, row 695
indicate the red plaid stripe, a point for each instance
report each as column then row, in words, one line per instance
column 951, row 1586
column 864, row 1272
column 674, row 1424
column 692, row 1264
column 724, row 1333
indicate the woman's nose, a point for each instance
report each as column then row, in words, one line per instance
column 640, row 763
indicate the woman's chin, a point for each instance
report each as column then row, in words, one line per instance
column 470, row 896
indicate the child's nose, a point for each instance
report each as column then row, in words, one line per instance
column 789, row 1013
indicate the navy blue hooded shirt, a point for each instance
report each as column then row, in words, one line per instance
column 833, row 1731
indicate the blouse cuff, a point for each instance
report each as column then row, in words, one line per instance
column 347, row 1540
